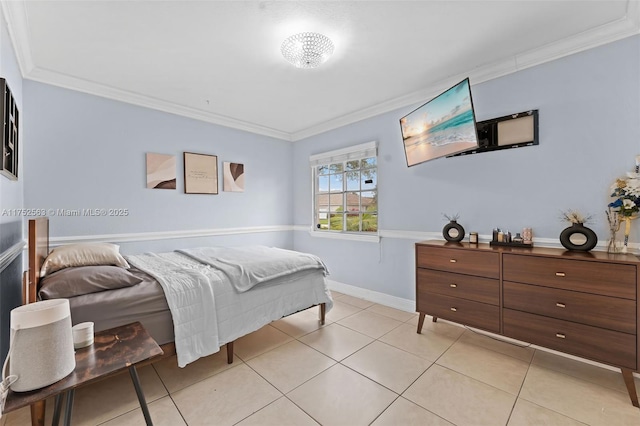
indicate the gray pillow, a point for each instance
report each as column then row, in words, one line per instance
column 75, row 281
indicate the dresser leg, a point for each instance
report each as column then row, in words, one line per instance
column 420, row 322
column 434, row 319
column 631, row 386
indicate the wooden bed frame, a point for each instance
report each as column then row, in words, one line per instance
column 38, row 252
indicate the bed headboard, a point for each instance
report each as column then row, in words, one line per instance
column 38, row 251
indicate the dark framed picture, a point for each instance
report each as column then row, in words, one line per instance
column 200, row 173
column 11, row 124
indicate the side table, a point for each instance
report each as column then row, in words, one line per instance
column 112, row 351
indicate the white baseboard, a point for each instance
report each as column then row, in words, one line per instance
column 406, row 305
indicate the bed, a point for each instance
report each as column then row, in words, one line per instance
column 146, row 302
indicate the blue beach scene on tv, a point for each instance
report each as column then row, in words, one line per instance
column 443, row 126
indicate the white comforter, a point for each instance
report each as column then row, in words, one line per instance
column 248, row 266
column 207, row 308
column 188, row 287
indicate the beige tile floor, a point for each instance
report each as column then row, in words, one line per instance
column 367, row 365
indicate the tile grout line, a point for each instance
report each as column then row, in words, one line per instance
column 297, row 339
column 515, row 402
column 339, row 362
column 399, row 395
column 169, row 395
column 536, row 404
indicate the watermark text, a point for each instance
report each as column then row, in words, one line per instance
column 84, row 212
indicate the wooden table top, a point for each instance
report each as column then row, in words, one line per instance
column 112, row 351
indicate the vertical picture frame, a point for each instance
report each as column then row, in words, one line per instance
column 200, row 173
column 10, row 128
column 161, row 171
column 233, row 177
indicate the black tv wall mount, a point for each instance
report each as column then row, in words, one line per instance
column 509, row 131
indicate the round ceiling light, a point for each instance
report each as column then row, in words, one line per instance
column 307, row 50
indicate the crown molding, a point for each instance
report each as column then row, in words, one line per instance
column 90, row 87
column 17, row 22
column 624, row 27
column 478, row 75
column 15, row 15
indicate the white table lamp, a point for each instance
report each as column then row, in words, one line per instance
column 42, row 344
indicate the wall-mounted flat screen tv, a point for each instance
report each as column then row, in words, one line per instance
column 443, row 126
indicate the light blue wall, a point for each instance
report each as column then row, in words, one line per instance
column 83, row 151
column 11, row 198
column 86, row 152
column 589, row 107
column 11, row 192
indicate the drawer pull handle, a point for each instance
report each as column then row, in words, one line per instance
column 453, row 285
column 560, row 274
column 452, row 260
column 561, row 305
column 561, row 336
column 454, row 309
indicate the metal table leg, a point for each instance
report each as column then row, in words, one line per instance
column 143, row 402
column 57, row 408
column 69, row 407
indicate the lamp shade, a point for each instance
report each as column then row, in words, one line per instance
column 42, row 344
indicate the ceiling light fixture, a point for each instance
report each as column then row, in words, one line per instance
column 307, row 50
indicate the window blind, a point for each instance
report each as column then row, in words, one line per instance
column 356, row 152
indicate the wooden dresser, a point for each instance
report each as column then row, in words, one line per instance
column 585, row 304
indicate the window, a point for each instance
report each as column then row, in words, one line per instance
column 345, row 191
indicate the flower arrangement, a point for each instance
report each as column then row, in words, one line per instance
column 626, row 190
column 626, row 205
column 453, row 217
column 574, row 217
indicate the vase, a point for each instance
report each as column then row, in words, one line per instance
column 613, row 245
column 578, row 237
column 453, row 232
column 613, row 218
column 627, row 230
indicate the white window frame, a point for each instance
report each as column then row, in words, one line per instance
column 356, row 152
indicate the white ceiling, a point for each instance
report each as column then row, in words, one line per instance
column 220, row 61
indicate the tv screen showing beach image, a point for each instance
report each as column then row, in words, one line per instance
column 443, row 126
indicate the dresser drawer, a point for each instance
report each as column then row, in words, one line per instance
column 463, row 261
column 592, row 309
column 607, row 279
column 473, row 314
column 485, row 290
column 611, row 347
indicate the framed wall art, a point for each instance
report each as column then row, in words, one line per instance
column 10, row 125
column 233, row 177
column 200, row 173
column 161, row 171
